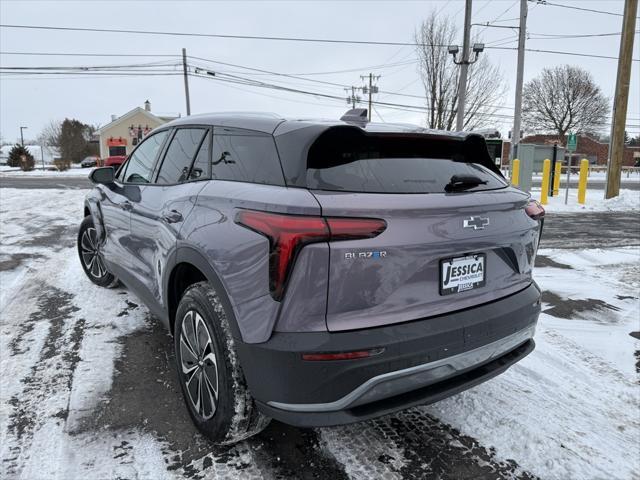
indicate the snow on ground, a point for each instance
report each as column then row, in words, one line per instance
column 628, row 200
column 74, row 171
column 568, row 410
column 599, row 176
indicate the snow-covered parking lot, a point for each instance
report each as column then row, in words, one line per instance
column 88, row 390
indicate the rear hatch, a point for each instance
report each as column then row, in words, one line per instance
column 457, row 235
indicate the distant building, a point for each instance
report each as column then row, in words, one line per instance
column 120, row 136
column 588, row 147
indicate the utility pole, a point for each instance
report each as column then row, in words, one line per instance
column 517, row 117
column 186, row 80
column 464, row 66
column 621, row 98
column 353, row 98
column 371, row 89
column 22, row 136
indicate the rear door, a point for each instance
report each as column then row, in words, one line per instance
column 428, row 260
column 165, row 203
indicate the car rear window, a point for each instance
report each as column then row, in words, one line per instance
column 348, row 160
column 245, row 156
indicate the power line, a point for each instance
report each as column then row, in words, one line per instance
column 411, row 108
column 488, row 24
column 148, row 68
column 68, row 54
column 330, row 72
column 214, row 35
column 557, row 52
column 255, row 83
column 550, row 36
column 544, row 2
column 286, row 39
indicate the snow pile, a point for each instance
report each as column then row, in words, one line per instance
column 599, row 176
column 628, row 200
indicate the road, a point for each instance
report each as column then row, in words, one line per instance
column 591, row 230
column 31, row 182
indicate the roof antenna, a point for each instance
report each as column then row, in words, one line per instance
column 356, row 115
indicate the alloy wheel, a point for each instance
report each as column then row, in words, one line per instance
column 198, row 364
column 90, row 252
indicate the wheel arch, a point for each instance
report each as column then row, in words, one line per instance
column 188, row 267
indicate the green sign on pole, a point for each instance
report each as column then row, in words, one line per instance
column 572, row 142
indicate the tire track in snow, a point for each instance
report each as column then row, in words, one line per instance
column 414, row 444
column 46, row 387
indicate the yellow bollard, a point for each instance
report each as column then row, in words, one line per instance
column 546, row 171
column 515, row 172
column 556, row 178
column 582, row 182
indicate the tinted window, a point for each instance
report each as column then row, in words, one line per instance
column 355, row 162
column 200, row 167
column 140, row 165
column 245, row 156
column 180, row 154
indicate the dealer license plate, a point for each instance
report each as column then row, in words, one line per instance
column 462, row 273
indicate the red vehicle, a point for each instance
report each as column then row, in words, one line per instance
column 117, row 152
column 114, row 161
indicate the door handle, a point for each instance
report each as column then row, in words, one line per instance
column 171, row 216
column 126, row 206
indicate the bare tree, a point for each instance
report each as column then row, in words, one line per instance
column 485, row 83
column 50, row 134
column 564, row 98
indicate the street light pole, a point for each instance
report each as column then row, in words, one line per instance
column 22, row 136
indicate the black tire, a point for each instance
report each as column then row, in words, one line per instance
column 234, row 416
column 91, row 256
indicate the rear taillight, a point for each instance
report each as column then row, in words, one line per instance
column 323, row 357
column 287, row 234
column 535, row 210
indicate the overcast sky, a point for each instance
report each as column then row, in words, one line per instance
column 34, row 101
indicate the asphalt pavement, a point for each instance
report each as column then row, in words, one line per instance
column 30, row 182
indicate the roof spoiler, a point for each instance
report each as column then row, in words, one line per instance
column 357, row 116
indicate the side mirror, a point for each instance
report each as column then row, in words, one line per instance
column 102, row 175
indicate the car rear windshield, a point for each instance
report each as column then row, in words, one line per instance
column 346, row 159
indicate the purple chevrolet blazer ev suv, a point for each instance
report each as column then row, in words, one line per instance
column 318, row 272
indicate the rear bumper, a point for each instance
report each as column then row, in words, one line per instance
column 423, row 361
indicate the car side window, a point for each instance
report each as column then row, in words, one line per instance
column 245, row 156
column 176, row 166
column 139, row 167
